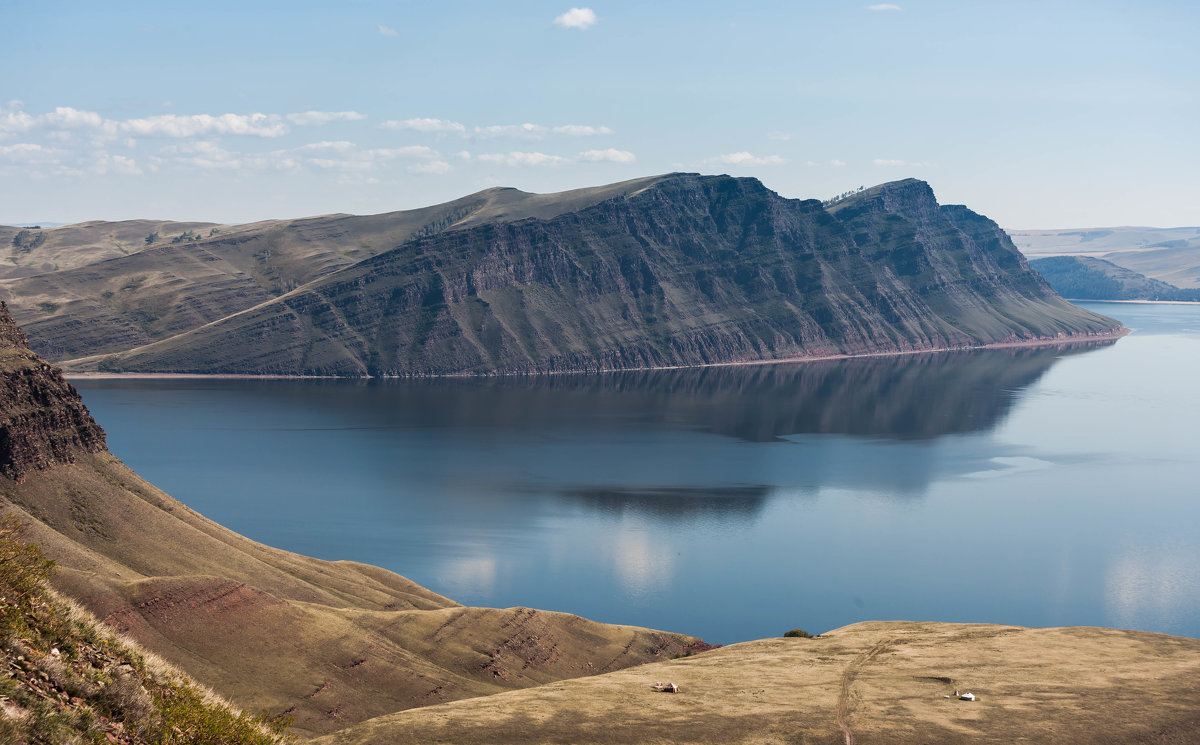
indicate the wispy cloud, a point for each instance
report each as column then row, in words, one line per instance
column 746, row 159
column 314, row 118
column 388, row 30
column 436, row 167
column 837, row 163
column 65, row 119
column 611, row 155
column 893, row 163
column 527, row 131
column 173, row 125
column 779, row 136
column 536, row 131
column 519, row 158
column 30, row 153
column 425, row 125
column 884, row 6
column 579, row 18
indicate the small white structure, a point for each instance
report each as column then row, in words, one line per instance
column 967, row 697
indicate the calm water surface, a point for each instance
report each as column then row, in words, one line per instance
column 1038, row 487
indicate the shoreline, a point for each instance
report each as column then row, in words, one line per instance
column 1044, row 342
column 1134, row 302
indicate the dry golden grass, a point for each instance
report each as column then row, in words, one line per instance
column 884, row 681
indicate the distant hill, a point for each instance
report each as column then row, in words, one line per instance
column 671, row 270
column 1087, row 278
column 1171, row 255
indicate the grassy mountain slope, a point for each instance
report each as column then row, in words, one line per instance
column 876, row 682
column 330, row 643
column 99, row 287
column 683, row 270
column 1087, row 278
column 66, row 679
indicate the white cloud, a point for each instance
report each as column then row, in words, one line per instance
column 779, row 136
column 518, row 158
column 410, row 151
column 888, row 162
column 537, row 131
column 173, row 125
column 425, row 125
column 388, row 30
column 13, row 119
column 511, row 130
column 115, row 163
column 463, row 154
column 579, row 18
column 837, row 163
column 883, row 6
column 580, row 130
column 891, row 163
column 29, row 153
column 610, row 154
column 434, row 166
column 339, row 145
column 746, row 159
column 65, row 117
column 313, row 118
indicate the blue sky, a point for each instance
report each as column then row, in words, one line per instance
column 1037, row 114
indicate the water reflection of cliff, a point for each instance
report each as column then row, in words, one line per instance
column 916, row 396
column 675, row 503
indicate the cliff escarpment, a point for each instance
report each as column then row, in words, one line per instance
column 684, row 270
column 42, row 421
column 328, row 643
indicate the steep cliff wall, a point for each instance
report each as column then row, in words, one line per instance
column 42, row 420
column 689, row 270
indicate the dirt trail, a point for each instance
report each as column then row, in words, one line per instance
column 848, row 676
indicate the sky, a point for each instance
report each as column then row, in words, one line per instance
column 1037, row 114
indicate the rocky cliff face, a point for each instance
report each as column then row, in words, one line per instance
column 689, row 270
column 42, row 420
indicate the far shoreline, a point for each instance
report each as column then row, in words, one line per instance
column 1043, row 342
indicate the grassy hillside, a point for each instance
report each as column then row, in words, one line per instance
column 878, row 682
column 68, row 679
column 328, row 643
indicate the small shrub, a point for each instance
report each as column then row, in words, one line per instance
column 797, row 634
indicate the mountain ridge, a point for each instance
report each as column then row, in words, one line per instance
column 673, row 270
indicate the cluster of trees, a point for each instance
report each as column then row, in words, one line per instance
column 27, row 240
column 840, row 197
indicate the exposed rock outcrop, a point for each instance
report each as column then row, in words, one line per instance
column 43, row 422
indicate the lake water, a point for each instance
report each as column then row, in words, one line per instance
column 1040, row 487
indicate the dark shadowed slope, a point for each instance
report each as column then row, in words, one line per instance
column 331, row 643
column 683, row 270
